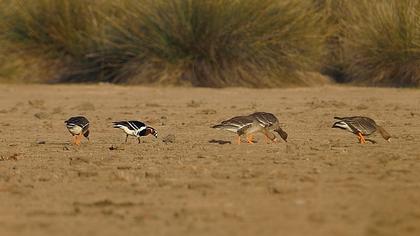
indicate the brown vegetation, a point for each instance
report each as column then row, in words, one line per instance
column 214, row 43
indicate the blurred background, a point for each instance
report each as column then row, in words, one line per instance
column 211, row 43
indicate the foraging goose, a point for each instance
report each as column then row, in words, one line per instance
column 361, row 126
column 270, row 123
column 240, row 125
column 248, row 125
column 135, row 128
column 78, row 126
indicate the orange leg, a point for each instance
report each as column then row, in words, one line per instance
column 78, row 139
column 238, row 140
column 361, row 138
column 249, row 139
column 267, row 140
column 74, row 139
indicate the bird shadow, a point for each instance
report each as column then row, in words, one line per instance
column 53, row 143
column 371, row 140
column 221, row 142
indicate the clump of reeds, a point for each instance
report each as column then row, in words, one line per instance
column 381, row 42
column 68, row 27
column 218, row 42
column 45, row 31
column 204, row 43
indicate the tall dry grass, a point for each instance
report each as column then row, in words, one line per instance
column 204, row 43
column 381, row 42
column 68, row 27
column 213, row 43
column 46, row 38
column 218, row 42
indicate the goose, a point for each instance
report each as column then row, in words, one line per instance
column 135, row 128
column 78, row 126
column 361, row 126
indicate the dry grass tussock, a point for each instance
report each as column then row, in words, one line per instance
column 213, row 43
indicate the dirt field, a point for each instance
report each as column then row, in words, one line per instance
column 322, row 182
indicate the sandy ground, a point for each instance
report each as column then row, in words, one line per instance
column 322, row 182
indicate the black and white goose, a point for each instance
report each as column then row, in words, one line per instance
column 78, row 126
column 361, row 126
column 135, row 128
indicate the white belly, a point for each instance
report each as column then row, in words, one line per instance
column 75, row 130
column 128, row 131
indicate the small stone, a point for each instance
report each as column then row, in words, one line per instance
column 170, row 138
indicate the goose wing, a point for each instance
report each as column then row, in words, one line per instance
column 81, row 121
column 237, row 124
column 364, row 125
column 265, row 119
column 130, row 125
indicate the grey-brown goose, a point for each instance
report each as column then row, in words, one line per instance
column 78, row 126
column 270, row 123
column 241, row 125
column 361, row 126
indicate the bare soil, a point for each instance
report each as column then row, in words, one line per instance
column 192, row 180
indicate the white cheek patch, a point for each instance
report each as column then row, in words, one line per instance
column 344, row 126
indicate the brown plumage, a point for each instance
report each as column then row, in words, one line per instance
column 361, row 126
column 270, row 123
column 262, row 122
column 241, row 125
